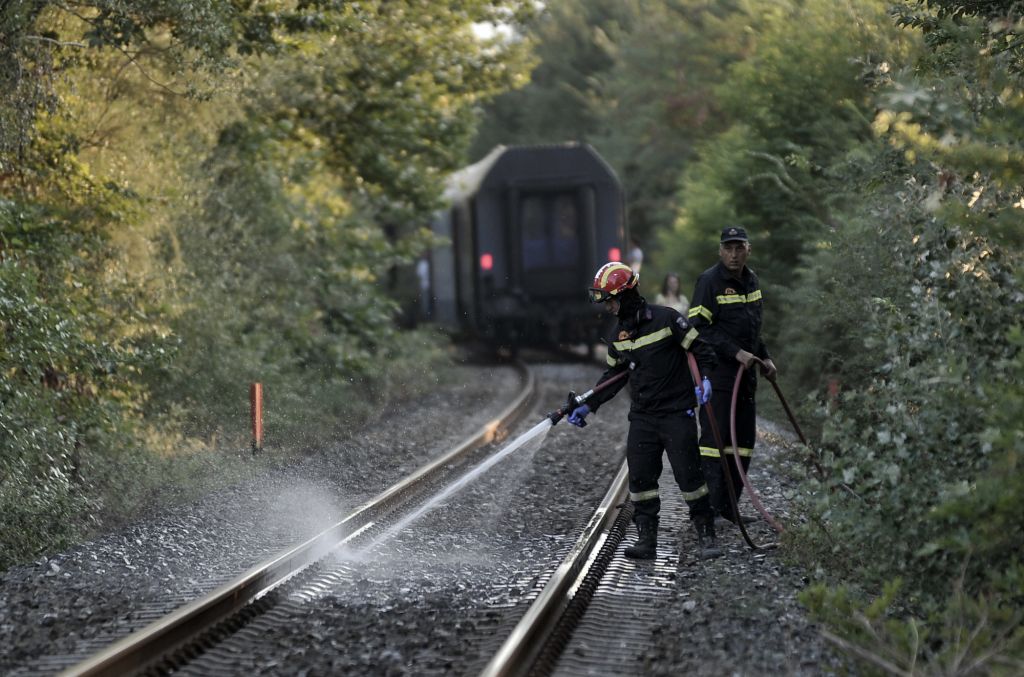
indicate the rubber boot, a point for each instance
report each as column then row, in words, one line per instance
column 707, row 542
column 646, row 546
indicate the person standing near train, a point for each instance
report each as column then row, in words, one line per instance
column 726, row 310
column 671, row 296
column 635, row 256
column 652, row 342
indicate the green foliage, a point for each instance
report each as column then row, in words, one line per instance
column 907, row 434
column 920, row 451
column 316, row 194
column 68, row 390
column 282, row 279
column 660, row 99
column 963, row 114
column 988, row 521
column 40, row 39
column 390, row 109
column 198, row 195
column 943, row 23
column 843, row 273
column 796, row 107
column 635, row 80
column 575, row 44
column 973, row 635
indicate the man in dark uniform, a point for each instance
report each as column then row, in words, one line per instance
column 726, row 311
column 652, row 343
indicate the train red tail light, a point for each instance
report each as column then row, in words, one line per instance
column 614, row 254
column 486, row 261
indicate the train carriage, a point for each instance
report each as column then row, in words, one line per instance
column 525, row 229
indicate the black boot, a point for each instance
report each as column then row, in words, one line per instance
column 646, row 546
column 707, row 542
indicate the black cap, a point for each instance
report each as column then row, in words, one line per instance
column 733, row 233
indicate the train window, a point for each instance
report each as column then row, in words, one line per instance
column 550, row 230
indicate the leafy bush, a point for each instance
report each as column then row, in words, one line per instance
column 970, row 635
column 267, row 166
column 917, row 471
column 64, row 396
column 911, row 436
column 796, row 109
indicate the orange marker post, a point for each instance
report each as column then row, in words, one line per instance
column 256, row 410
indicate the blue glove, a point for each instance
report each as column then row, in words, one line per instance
column 578, row 417
column 703, row 397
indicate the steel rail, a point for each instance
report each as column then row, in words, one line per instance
column 525, row 644
column 140, row 649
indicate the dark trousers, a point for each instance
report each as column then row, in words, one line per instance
column 746, row 434
column 676, row 435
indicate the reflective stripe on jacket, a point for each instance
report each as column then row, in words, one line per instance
column 654, row 346
column 726, row 310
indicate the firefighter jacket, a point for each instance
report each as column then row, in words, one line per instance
column 653, row 344
column 726, row 310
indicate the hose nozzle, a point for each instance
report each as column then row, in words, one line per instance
column 571, row 402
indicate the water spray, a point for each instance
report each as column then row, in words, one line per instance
column 535, row 435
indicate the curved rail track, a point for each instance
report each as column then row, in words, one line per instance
column 596, row 614
column 569, row 622
column 176, row 632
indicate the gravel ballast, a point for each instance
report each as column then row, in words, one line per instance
column 414, row 606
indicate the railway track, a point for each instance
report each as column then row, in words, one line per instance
column 165, row 643
column 597, row 613
column 571, row 606
column 206, row 636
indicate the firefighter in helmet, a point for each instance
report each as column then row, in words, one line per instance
column 651, row 342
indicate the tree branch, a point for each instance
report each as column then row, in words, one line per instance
column 864, row 654
column 59, row 43
column 131, row 58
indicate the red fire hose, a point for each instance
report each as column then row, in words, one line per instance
column 576, row 400
column 727, row 476
column 754, row 498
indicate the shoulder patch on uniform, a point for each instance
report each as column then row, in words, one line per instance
column 623, row 335
column 683, row 324
column 729, row 290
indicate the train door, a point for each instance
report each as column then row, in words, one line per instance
column 464, row 244
column 553, row 240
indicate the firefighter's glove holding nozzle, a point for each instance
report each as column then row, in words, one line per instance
column 578, row 417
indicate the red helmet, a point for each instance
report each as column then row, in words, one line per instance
column 610, row 280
